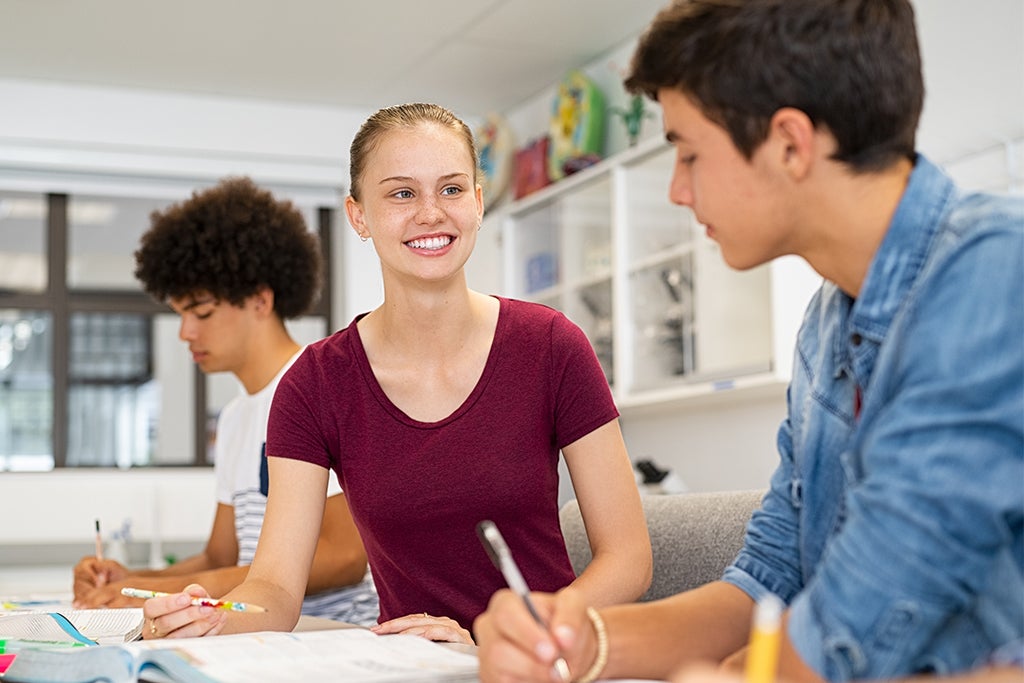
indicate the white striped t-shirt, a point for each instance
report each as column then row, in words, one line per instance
column 240, row 469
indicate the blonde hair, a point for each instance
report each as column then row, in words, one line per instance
column 394, row 118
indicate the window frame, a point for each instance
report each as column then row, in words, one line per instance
column 61, row 303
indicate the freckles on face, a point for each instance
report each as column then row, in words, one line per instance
column 420, row 202
column 421, row 156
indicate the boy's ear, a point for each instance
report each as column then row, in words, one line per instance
column 263, row 300
column 796, row 141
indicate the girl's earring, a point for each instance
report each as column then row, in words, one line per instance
column 364, row 237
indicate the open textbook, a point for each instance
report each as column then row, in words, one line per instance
column 308, row 657
column 86, row 626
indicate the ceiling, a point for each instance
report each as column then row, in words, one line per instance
column 474, row 55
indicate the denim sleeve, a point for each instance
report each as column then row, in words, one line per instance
column 770, row 559
column 932, row 536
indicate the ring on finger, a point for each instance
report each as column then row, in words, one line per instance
column 152, row 627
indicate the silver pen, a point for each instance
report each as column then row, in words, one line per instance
column 501, row 556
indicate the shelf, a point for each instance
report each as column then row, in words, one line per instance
column 670, row 322
column 589, row 281
column 660, row 258
column 569, row 183
column 704, row 394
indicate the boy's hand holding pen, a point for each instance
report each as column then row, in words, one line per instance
column 93, row 575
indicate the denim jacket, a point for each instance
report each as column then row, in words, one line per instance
column 893, row 524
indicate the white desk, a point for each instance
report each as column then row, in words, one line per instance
column 26, row 580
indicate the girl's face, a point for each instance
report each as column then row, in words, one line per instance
column 419, row 203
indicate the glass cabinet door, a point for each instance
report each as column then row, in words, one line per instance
column 590, row 307
column 667, row 318
column 659, row 241
column 661, row 323
column 537, row 268
column 732, row 316
column 691, row 317
column 563, row 258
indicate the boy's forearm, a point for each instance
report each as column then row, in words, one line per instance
column 334, row 570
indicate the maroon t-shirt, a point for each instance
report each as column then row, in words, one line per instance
column 417, row 490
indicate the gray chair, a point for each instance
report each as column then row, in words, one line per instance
column 694, row 536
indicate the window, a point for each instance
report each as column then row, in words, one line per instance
column 22, row 242
column 103, row 234
column 113, row 397
column 92, row 372
column 26, row 390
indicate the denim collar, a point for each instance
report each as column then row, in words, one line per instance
column 893, row 269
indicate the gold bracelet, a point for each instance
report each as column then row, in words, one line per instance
column 602, row 648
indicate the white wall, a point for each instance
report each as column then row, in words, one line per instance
column 712, row 447
column 107, row 131
column 60, row 506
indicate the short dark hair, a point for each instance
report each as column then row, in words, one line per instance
column 853, row 66
column 231, row 240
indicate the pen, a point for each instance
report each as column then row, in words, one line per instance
column 199, row 602
column 765, row 640
column 101, row 576
column 9, row 645
column 501, row 556
column 99, row 541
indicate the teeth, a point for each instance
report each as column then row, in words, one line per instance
column 430, row 243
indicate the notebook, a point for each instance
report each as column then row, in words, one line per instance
column 86, row 626
column 356, row 655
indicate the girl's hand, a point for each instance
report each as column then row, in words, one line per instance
column 432, row 628
column 174, row 616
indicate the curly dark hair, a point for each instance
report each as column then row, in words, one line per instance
column 231, row 240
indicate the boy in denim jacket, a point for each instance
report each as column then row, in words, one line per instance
column 893, row 528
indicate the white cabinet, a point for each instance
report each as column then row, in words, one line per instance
column 668, row 319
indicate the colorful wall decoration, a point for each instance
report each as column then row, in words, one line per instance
column 577, row 125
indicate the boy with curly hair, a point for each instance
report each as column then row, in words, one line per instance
column 235, row 263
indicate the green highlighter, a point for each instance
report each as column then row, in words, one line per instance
column 9, row 645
